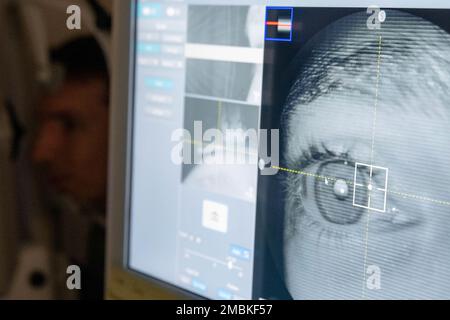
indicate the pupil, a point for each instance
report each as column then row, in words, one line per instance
column 335, row 198
column 341, row 189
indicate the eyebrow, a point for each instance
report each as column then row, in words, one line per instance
column 343, row 59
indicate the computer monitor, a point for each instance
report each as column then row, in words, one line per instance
column 280, row 150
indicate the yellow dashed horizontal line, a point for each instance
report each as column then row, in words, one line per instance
column 309, row 174
column 408, row 195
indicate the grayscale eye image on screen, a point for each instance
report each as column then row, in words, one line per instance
column 291, row 151
column 364, row 118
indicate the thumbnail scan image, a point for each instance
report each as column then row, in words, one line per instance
column 234, row 179
column 224, row 95
column 226, row 26
column 364, row 200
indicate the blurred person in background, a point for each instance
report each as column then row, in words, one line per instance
column 70, row 153
column 59, row 221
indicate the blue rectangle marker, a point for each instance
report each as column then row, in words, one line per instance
column 279, row 24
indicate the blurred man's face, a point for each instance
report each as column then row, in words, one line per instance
column 71, row 143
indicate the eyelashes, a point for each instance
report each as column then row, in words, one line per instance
column 296, row 189
column 320, row 198
column 314, row 154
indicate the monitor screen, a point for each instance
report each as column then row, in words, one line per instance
column 291, row 149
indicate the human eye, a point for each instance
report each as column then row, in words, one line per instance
column 321, row 195
column 70, row 123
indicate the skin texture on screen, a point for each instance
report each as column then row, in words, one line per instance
column 376, row 97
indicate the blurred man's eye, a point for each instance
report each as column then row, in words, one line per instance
column 68, row 124
column 64, row 122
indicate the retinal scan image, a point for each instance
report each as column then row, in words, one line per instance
column 360, row 205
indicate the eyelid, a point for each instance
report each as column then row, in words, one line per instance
column 314, row 154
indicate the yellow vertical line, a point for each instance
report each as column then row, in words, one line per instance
column 377, row 92
column 219, row 114
column 377, row 85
